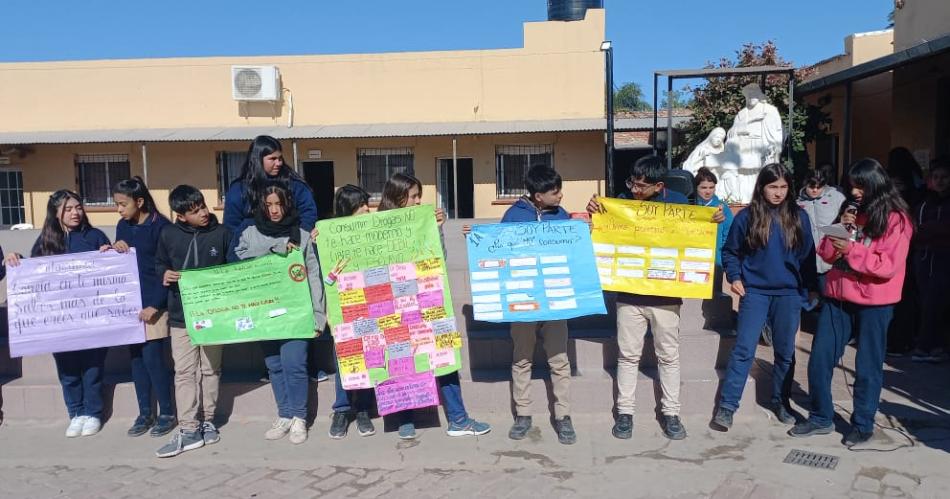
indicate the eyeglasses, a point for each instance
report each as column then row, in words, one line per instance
column 639, row 186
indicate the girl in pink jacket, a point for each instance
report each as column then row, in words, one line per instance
column 862, row 287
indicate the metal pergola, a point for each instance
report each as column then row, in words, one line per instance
column 680, row 74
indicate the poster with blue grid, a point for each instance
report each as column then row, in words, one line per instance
column 533, row 271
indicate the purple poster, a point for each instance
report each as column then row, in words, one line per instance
column 74, row 302
column 407, row 392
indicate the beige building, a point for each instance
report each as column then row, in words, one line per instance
column 342, row 119
column 889, row 89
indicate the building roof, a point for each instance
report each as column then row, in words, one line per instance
column 879, row 65
column 206, row 134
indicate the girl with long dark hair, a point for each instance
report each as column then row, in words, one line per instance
column 264, row 166
column 769, row 258
column 140, row 227
column 400, row 191
column 67, row 230
column 277, row 229
column 862, row 287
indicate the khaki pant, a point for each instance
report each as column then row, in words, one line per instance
column 632, row 322
column 524, row 336
column 197, row 374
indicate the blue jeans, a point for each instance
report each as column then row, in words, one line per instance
column 783, row 314
column 151, row 375
column 451, row 391
column 286, row 362
column 837, row 322
column 351, row 400
column 80, row 374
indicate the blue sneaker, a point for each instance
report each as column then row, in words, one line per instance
column 407, row 431
column 467, row 426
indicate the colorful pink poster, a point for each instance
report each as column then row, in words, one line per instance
column 413, row 391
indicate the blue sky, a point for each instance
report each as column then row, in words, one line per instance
column 647, row 35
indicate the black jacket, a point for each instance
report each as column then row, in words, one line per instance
column 181, row 246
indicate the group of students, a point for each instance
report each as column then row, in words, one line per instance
column 776, row 260
column 770, row 252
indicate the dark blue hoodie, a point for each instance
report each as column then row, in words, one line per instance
column 525, row 211
column 238, row 215
column 144, row 238
column 774, row 269
column 77, row 241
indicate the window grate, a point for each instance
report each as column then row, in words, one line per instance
column 11, row 197
column 375, row 166
column 96, row 174
column 512, row 164
column 811, row 459
column 229, row 168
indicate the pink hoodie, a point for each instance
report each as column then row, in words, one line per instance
column 876, row 276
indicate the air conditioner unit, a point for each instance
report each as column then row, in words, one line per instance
column 255, row 83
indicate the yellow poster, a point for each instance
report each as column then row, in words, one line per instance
column 657, row 249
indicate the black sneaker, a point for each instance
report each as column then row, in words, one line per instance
column 140, row 426
column 565, row 430
column 807, row 428
column 673, row 428
column 519, row 429
column 623, row 427
column 781, row 413
column 364, row 425
column 339, row 422
column 856, row 437
column 163, row 426
column 722, row 421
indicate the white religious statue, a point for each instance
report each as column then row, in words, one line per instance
column 753, row 141
column 704, row 153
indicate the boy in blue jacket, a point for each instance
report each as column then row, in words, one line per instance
column 637, row 313
column 542, row 203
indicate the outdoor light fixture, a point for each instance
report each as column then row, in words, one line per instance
column 605, row 45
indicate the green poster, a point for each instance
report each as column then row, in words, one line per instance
column 266, row 298
column 388, row 300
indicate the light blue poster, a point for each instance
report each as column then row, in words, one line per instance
column 533, row 271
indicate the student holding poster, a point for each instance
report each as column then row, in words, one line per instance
column 769, row 259
column 350, row 200
column 139, row 227
column 195, row 240
column 636, row 313
column 543, row 202
column 400, row 191
column 277, row 229
column 67, row 230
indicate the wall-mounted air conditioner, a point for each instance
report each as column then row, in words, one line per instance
column 255, row 83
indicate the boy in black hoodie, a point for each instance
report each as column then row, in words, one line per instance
column 195, row 240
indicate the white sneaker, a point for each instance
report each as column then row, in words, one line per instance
column 91, row 426
column 75, row 426
column 279, row 429
column 298, row 431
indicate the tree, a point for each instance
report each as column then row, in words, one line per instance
column 677, row 98
column 716, row 102
column 630, row 97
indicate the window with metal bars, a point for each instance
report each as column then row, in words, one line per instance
column 375, row 166
column 11, row 197
column 229, row 168
column 513, row 162
column 96, row 174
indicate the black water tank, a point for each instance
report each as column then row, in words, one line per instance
column 571, row 10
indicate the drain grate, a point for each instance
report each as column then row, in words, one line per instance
column 811, row 459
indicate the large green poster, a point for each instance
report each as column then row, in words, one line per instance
column 266, row 298
column 389, row 305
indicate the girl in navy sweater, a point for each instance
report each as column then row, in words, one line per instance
column 769, row 258
column 67, row 230
column 139, row 228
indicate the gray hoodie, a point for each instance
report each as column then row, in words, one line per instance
column 822, row 211
column 253, row 244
